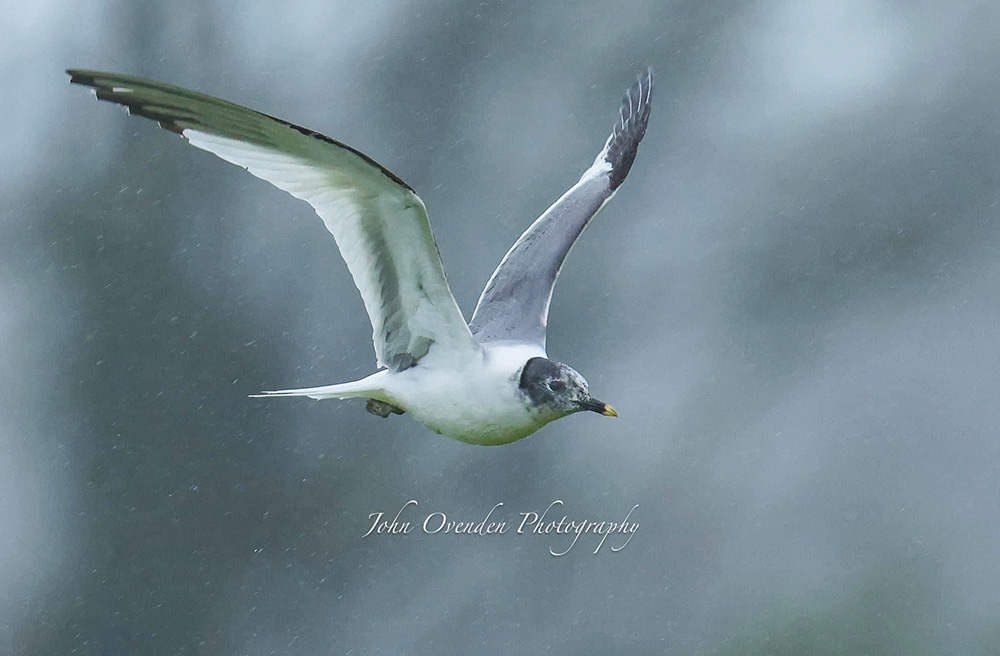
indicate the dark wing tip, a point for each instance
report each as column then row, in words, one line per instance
column 177, row 109
column 122, row 90
column 77, row 75
column 631, row 127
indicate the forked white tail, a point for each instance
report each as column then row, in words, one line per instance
column 369, row 387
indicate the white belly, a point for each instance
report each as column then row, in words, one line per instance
column 479, row 403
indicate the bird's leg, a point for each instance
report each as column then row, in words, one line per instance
column 382, row 409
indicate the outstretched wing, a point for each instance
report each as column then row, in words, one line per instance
column 515, row 303
column 379, row 223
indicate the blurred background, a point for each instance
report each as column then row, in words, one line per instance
column 792, row 302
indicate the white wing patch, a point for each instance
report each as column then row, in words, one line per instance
column 381, row 236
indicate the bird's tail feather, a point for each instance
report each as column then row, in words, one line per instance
column 366, row 387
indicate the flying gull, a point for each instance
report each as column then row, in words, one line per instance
column 486, row 382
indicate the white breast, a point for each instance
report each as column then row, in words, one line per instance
column 478, row 402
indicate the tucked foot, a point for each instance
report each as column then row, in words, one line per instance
column 382, row 409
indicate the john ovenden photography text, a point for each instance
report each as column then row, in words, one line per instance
column 548, row 521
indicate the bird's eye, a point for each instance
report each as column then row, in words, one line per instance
column 556, row 385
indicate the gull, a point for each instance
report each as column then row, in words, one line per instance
column 488, row 381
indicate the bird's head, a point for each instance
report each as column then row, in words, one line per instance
column 558, row 388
